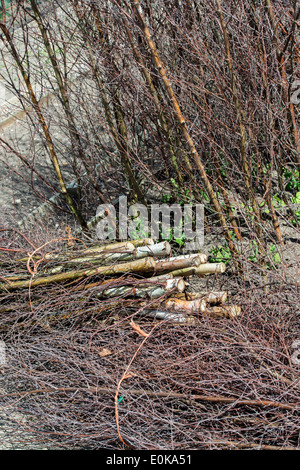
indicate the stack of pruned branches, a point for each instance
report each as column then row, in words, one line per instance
column 140, row 273
column 96, row 361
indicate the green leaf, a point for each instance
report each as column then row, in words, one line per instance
column 296, row 199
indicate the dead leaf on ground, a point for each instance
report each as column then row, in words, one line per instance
column 105, row 352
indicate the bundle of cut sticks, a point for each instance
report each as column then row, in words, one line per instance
column 139, row 269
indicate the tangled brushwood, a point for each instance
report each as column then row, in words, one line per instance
column 138, row 345
column 91, row 363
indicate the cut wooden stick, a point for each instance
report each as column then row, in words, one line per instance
column 118, row 247
column 179, row 262
column 212, row 298
column 115, row 249
column 174, row 317
column 174, row 304
column 151, row 292
column 158, row 249
column 210, row 268
column 142, row 265
column 142, row 242
column 199, row 256
column 228, row 311
column 188, row 306
column 201, row 270
column 106, row 284
column 98, row 258
column 106, row 257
